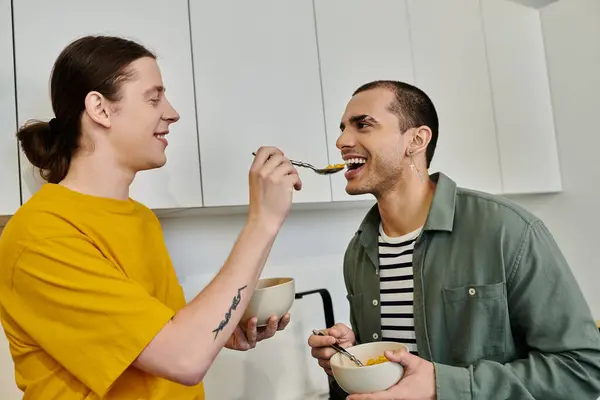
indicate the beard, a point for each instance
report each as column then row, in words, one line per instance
column 377, row 180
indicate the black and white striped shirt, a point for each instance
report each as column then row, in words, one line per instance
column 396, row 285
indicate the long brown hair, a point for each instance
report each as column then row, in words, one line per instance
column 91, row 63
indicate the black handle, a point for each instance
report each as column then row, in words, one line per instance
column 327, row 304
column 334, row 393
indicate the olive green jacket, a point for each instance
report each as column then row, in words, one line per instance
column 496, row 306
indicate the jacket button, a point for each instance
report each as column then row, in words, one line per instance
column 375, row 302
column 472, row 291
column 375, row 336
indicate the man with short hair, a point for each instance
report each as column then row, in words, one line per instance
column 473, row 285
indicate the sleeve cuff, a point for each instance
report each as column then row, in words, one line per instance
column 452, row 383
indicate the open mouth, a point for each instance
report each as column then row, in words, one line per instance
column 354, row 166
column 355, row 163
column 161, row 137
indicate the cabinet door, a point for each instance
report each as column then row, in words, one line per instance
column 451, row 67
column 521, row 93
column 43, row 29
column 359, row 42
column 257, row 83
column 10, row 198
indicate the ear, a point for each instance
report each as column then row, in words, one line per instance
column 420, row 139
column 97, row 108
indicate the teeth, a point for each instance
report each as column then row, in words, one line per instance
column 160, row 136
column 356, row 161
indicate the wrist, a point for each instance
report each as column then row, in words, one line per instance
column 262, row 226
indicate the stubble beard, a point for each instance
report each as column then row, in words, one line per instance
column 381, row 181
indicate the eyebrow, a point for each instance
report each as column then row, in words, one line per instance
column 157, row 88
column 359, row 118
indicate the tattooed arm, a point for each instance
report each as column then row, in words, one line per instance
column 187, row 346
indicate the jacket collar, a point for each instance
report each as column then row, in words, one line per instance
column 439, row 218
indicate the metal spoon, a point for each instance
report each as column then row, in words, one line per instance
column 321, row 171
column 340, row 349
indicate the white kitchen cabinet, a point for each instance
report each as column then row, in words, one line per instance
column 451, row 67
column 521, row 93
column 257, row 83
column 10, row 198
column 359, row 42
column 43, row 29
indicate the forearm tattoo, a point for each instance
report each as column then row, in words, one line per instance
column 234, row 304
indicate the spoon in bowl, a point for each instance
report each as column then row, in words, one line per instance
column 340, row 349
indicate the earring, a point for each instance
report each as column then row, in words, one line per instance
column 413, row 166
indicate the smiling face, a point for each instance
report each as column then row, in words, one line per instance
column 141, row 119
column 372, row 143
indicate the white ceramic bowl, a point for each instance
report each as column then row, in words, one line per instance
column 272, row 296
column 368, row 379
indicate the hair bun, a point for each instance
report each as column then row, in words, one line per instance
column 38, row 140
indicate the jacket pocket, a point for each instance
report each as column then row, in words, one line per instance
column 476, row 321
column 356, row 314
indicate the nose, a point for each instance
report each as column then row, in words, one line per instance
column 345, row 140
column 171, row 115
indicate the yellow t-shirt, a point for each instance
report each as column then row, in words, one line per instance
column 85, row 285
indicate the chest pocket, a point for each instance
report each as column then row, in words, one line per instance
column 475, row 318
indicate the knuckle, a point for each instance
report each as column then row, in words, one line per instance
column 263, row 174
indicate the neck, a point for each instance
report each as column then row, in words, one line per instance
column 98, row 176
column 404, row 208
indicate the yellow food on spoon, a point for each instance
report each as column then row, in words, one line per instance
column 378, row 360
column 330, row 166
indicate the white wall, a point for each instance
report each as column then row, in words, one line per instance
column 572, row 38
column 282, row 369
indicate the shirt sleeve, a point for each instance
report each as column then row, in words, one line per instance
column 548, row 307
column 83, row 310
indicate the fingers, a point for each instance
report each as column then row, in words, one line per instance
column 238, row 341
column 320, row 349
column 322, row 353
column 263, row 154
column 326, row 366
column 316, row 341
column 251, row 333
column 403, row 357
column 267, row 159
column 386, row 395
column 284, row 322
column 335, row 331
column 270, row 329
column 276, row 167
column 273, row 325
column 284, row 170
column 293, row 179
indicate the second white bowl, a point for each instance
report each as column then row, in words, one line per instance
column 272, row 296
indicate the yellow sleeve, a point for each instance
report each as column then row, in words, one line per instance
column 83, row 310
